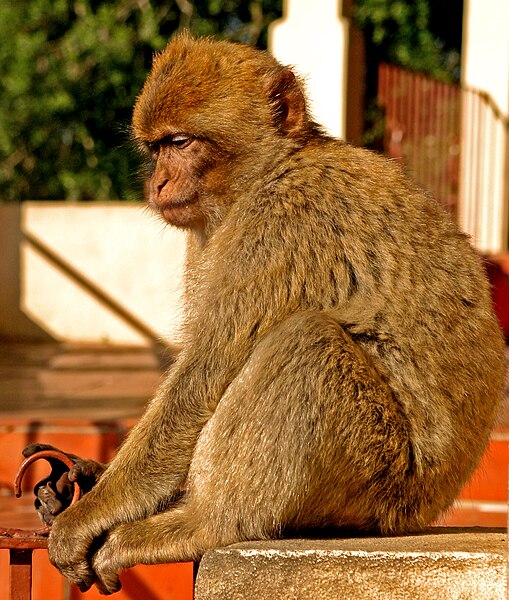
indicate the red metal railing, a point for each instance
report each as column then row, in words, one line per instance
column 422, row 129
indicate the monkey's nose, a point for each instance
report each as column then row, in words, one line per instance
column 160, row 186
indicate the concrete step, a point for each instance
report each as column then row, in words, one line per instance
column 443, row 564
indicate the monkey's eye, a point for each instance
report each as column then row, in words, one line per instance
column 177, row 140
column 181, row 140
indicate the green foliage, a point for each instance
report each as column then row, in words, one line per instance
column 70, row 72
column 399, row 31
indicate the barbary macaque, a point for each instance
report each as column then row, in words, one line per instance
column 341, row 363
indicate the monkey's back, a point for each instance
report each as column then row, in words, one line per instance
column 368, row 246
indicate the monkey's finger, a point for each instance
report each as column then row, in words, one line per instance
column 82, row 470
column 108, row 584
column 33, row 448
column 63, row 487
column 106, row 568
column 75, row 472
column 44, row 514
column 37, row 447
column 52, row 505
column 80, row 574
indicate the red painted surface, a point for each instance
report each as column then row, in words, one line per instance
column 489, row 482
column 483, row 501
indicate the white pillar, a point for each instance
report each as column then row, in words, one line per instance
column 484, row 170
column 312, row 37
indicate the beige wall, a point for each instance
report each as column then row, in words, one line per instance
column 88, row 273
column 313, row 38
column 484, row 170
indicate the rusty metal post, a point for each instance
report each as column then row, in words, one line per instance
column 20, row 574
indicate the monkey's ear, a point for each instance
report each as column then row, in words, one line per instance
column 287, row 102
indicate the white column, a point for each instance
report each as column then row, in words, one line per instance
column 312, row 37
column 484, row 170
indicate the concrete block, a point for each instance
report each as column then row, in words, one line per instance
column 444, row 563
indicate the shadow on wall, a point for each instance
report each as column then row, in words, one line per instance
column 14, row 324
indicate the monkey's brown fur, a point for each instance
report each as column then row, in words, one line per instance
column 341, row 363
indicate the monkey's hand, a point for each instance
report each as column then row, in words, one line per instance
column 88, row 549
column 53, row 494
column 75, row 536
column 112, row 557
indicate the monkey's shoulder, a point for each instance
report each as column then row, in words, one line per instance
column 330, row 182
column 337, row 174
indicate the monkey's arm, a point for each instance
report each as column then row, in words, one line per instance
column 145, row 475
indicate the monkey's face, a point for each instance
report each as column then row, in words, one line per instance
column 214, row 117
column 186, row 173
column 190, row 118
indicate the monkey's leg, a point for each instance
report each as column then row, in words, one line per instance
column 307, row 435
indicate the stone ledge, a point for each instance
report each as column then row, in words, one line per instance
column 443, row 563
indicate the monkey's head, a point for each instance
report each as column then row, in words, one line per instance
column 213, row 116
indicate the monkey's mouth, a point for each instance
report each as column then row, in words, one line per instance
column 174, row 204
column 177, row 210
